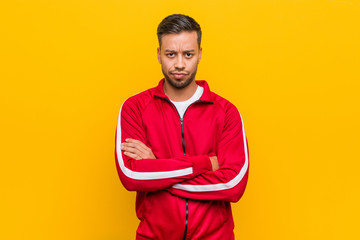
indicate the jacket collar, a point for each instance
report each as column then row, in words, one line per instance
column 205, row 97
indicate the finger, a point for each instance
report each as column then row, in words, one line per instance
column 145, row 152
column 131, row 146
column 135, row 149
column 132, row 150
column 137, row 146
column 131, row 155
column 141, row 144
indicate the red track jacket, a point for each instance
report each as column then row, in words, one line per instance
column 178, row 194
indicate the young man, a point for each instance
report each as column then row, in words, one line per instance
column 182, row 147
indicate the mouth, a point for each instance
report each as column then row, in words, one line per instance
column 179, row 75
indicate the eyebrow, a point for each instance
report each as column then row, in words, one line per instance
column 168, row 50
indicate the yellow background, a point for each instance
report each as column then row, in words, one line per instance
column 290, row 66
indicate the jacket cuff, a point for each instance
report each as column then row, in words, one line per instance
column 201, row 164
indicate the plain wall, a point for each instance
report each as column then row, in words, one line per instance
column 290, row 66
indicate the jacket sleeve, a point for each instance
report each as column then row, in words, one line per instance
column 229, row 181
column 147, row 175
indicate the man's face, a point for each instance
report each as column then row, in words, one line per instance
column 179, row 56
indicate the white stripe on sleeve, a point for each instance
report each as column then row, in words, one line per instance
column 144, row 175
column 220, row 186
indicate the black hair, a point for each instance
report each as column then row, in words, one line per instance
column 177, row 23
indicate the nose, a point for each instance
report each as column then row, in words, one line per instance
column 180, row 63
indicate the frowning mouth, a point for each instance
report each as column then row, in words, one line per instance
column 179, row 75
column 182, row 73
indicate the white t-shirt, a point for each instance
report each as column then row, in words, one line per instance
column 182, row 106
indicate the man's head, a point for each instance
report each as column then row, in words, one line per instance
column 177, row 23
column 179, row 50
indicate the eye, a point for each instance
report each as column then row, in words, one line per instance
column 170, row 54
column 189, row 55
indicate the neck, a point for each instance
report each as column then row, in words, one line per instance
column 180, row 94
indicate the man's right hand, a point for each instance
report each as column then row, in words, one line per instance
column 214, row 163
column 136, row 149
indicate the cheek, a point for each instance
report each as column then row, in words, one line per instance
column 193, row 63
column 166, row 63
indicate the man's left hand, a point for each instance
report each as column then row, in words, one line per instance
column 136, row 149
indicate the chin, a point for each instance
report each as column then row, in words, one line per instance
column 180, row 84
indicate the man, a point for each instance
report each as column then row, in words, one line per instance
column 182, row 147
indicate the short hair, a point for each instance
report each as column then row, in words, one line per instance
column 177, row 23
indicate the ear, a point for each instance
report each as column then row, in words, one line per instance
column 200, row 52
column 158, row 54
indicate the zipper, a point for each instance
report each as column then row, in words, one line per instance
column 182, row 118
column 182, row 133
column 183, row 145
column 186, row 219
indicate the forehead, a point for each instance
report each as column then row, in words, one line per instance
column 179, row 40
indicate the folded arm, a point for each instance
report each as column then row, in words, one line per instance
column 149, row 174
column 229, row 181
